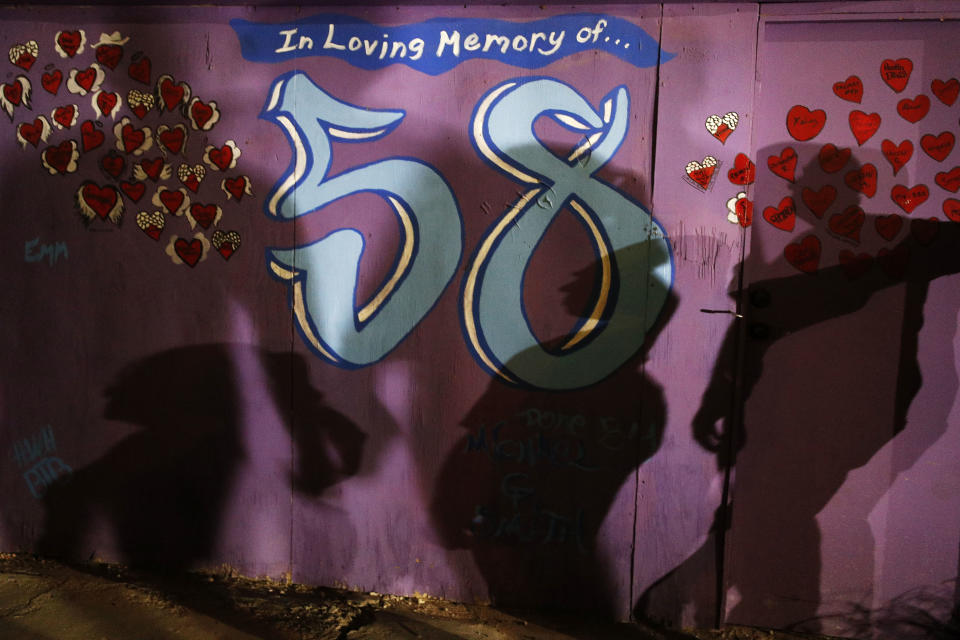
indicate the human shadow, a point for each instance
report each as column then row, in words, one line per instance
column 835, row 313
column 528, row 487
column 162, row 490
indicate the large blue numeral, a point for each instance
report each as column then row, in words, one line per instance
column 323, row 275
column 633, row 254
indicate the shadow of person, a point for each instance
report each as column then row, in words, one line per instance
column 528, row 488
column 825, row 362
column 162, row 489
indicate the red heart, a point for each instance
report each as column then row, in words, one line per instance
column 804, row 124
column 910, row 198
column 785, row 164
column 101, row 199
column 134, row 190
column 91, row 137
column 946, row 92
column 863, row 180
column 132, row 137
column 783, row 217
column 804, row 255
column 60, row 156
column 189, row 251
column 888, row 226
column 833, row 159
column 855, row 265
column 701, row 174
column 224, row 156
column 152, row 168
column 113, row 163
column 924, row 229
column 140, row 111
column 201, row 113
column 191, row 182
column 743, row 172
column 226, row 250
column 153, row 231
column 949, row 180
column 237, row 186
column 107, row 102
column 51, row 81
column 139, row 70
column 863, row 125
column 722, row 133
column 171, row 200
column 86, row 78
column 894, row 261
column 25, row 60
column 897, row 155
column 204, row 214
column 896, row 73
column 850, row 89
column 938, row 147
column 69, row 41
column 171, row 94
column 109, row 55
column 848, row 223
column 13, row 92
column 744, row 211
column 819, row 201
column 31, row 132
column 914, row 110
column 173, row 139
column 65, row 115
column 951, row 209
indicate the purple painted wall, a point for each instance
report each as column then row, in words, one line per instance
column 169, row 398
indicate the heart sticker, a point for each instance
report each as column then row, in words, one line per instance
column 804, row 255
column 84, row 81
column 785, row 164
column 23, row 55
column 154, row 169
column 847, row 224
column 95, row 201
column 151, row 223
column 909, row 198
column 191, row 177
column 863, row 125
column 105, row 104
column 915, row 110
column 700, row 175
column 236, row 187
column 188, row 252
column 740, row 210
column 833, row 159
column 139, row 69
column 225, row 242
column 819, row 201
column 133, row 190
column 804, row 124
column 863, row 180
column 850, row 89
column 61, row 158
column 113, row 164
column 784, row 216
column 946, row 92
column 204, row 215
column 896, row 73
column 951, row 209
column 855, row 265
column 15, row 94
column 171, row 94
column 109, row 55
column 70, row 43
column 203, row 115
column 65, row 117
column 51, row 81
column 33, row 132
column 888, row 226
column 949, row 180
column 938, row 147
column 720, row 127
column 130, row 139
column 174, row 202
column 140, row 103
column 897, row 154
column 744, row 171
column 172, row 139
column 223, row 158
column 90, row 136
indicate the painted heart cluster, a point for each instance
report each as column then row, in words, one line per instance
column 143, row 139
column 846, row 224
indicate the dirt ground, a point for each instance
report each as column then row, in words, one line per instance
column 46, row 600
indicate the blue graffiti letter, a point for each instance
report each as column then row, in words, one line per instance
column 323, row 275
column 632, row 251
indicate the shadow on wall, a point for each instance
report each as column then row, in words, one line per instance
column 162, row 490
column 860, row 376
column 527, row 489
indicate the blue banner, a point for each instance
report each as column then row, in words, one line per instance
column 438, row 45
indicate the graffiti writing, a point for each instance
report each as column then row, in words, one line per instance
column 42, row 469
column 33, row 251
